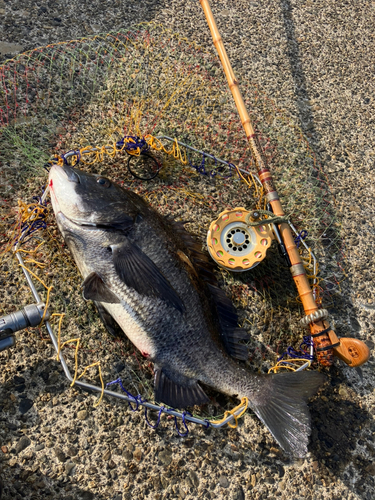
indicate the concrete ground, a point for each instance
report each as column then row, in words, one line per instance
column 316, row 60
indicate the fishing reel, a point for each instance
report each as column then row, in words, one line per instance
column 233, row 244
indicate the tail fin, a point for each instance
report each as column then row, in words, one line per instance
column 282, row 406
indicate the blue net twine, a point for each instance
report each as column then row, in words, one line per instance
column 138, row 400
column 127, row 143
column 300, row 352
column 217, row 170
column 75, row 152
column 182, row 434
column 48, row 165
column 301, row 236
column 155, row 426
column 39, row 201
column 29, row 227
column 53, row 161
column 231, row 167
column 133, row 142
column 199, row 168
column 134, row 399
column 166, row 410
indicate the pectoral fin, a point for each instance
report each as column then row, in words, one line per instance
column 139, row 272
column 94, row 288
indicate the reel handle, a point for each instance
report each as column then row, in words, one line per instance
column 353, row 352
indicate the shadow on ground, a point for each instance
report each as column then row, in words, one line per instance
column 339, row 423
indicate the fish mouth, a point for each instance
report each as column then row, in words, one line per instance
column 71, row 174
column 68, row 172
column 114, row 226
column 88, row 218
column 78, row 223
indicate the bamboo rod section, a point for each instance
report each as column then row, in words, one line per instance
column 325, row 340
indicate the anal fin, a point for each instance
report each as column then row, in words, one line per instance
column 177, row 391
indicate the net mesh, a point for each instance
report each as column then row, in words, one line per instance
column 147, row 80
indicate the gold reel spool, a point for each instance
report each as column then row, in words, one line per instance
column 233, row 244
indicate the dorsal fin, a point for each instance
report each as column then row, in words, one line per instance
column 231, row 335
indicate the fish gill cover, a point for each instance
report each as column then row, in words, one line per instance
column 150, row 81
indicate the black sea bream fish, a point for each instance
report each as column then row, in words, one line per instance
column 148, row 275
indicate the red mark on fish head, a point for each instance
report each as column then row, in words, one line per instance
column 145, row 354
column 50, row 183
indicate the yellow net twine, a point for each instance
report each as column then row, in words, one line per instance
column 290, row 364
column 27, row 213
column 90, row 155
column 48, row 288
column 242, row 407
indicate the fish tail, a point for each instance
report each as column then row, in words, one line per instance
column 281, row 404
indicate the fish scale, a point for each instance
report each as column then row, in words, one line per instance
column 154, row 316
column 143, row 272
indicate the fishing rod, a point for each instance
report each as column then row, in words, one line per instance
column 352, row 351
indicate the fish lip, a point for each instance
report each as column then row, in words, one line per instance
column 71, row 174
column 102, row 225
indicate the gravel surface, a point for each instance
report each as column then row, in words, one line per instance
column 316, row 60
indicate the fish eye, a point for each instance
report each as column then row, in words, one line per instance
column 103, row 182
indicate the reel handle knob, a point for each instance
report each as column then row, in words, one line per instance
column 353, row 351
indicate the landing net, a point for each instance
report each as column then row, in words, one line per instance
column 147, row 81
